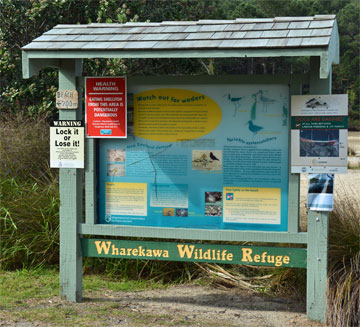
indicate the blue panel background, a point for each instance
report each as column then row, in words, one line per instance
column 233, row 130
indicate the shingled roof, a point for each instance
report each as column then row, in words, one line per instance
column 254, row 37
column 278, row 32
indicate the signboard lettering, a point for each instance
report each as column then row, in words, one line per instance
column 67, row 99
column 67, row 144
column 215, row 253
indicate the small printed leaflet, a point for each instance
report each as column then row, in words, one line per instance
column 67, row 144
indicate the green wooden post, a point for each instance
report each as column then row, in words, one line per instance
column 70, row 199
column 294, row 179
column 90, row 182
column 318, row 227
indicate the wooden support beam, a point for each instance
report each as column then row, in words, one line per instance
column 318, row 228
column 294, row 179
column 32, row 66
column 70, row 200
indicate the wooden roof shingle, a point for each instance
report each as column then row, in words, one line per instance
column 258, row 32
column 242, row 37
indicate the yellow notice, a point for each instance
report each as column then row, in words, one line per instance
column 172, row 115
column 126, row 199
column 252, row 205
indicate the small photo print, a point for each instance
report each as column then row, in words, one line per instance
column 213, row 204
column 321, row 183
column 321, row 192
column 213, row 210
column 116, row 155
column 207, row 160
column 319, row 143
column 181, row 212
column 168, row 212
column 116, row 170
column 213, row 198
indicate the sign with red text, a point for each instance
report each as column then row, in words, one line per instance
column 319, row 130
column 106, row 107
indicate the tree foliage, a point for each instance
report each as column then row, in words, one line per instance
column 21, row 21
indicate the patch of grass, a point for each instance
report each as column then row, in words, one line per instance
column 29, row 196
column 33, row 296
column 344, row 264
column 19, row 286
column 98, row 282
column 29, row 224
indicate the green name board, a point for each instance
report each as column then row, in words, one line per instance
column 193, row 252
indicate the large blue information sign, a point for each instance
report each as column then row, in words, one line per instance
column 199, row 156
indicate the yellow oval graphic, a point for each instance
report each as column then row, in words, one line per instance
column 173, row 115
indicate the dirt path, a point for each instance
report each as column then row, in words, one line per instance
column 204, row 306
column 180, row 306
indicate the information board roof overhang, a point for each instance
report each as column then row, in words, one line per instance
column 254, row 37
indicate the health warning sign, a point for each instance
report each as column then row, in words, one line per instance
column 106, row 107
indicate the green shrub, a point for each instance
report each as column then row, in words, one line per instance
column 344, row 264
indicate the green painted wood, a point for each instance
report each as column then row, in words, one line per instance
column 33, row 66
column 316, row 298
column 90, row 181
column 226, row 53
column 195, row 252
column 70, row 201
column 318, row 86
column 218, row 79
column 294, row 179
column 193, row 234
column 332, row 56
column 318, row 229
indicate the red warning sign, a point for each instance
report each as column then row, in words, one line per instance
column 106, row 107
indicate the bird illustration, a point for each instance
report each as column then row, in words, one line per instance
column 253, row 108
column 284, row 115
column 313, row 103
column 254, row 128
column 265, row 101
column 212, row 157
column 235, row 102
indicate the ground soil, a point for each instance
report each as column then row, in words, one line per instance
column 180, row 306
column 206, row 306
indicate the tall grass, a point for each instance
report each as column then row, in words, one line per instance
column 29, row 200
column 29, row 214
column 24, row 148
column 344, row 264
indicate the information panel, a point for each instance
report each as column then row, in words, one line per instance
column 319, row 130
column 105, row 99
column 199, row 156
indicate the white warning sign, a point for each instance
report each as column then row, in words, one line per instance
column 67, row 144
